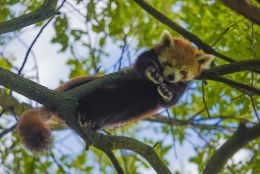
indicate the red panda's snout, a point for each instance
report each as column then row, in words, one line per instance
column 173, row 74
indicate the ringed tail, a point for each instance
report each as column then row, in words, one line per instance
column 33, row 129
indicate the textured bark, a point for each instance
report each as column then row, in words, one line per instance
column 244, row 8
column 46, row 10
column 240, row 138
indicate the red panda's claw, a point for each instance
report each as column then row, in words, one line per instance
column 80, row 120
column 152, row 74
column 89, row 124
column 85, row 123
column 165, row 92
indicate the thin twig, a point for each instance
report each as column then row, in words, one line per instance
column 249, row 90
column 119, row 61
column 203, row 97
column 197, row 114
column 224, row 32
column 254, row 108
column 1, row 113
column 114, row 161
column 6, row 131
column 57, row 163
column 171, row 132
column 33, row 55
column 189, row 123
column 35, row 39
column 203, row 138
column 252, row 73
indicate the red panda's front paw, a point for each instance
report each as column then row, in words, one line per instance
column 165, row 92
column 85, row 123
column 153, row 74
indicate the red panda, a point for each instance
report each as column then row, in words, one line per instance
column 162, row 76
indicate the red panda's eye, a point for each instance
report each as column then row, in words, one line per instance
column 183, row 72
column 201, row 61
column 167, row 64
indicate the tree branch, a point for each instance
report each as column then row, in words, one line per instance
column 233, row 67
column 115, row 162
column 244, row 8
column 66, row 105
column 173, row 25
column 249, row 90
column 239, row 139
column 189, row 123
column 6, row 131
column 29, row 89
column 46, row 10
column 35, row 39
column 176, row 27
column 216, row 73
column 10, row 104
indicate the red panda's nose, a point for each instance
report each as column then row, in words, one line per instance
column 170, row 77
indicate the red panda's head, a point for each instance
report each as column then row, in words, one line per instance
column 179, row 59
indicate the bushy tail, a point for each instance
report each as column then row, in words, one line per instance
column 34, row 130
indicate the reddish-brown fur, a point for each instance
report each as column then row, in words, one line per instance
column 119, row 102
column 111, row 105
column 35, row 125
column 33, row 130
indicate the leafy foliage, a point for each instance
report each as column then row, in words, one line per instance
column 98, row 37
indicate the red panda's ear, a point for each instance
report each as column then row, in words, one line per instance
column 204, row 60
column 166, row 39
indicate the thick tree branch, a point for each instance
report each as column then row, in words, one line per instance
column 46, row 10
column 115, row 162
column 244, row 8
column 239, row 139
column 29, row 89
column 216, row 73
column 234, row 67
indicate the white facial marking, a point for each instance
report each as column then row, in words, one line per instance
column 190, row 76
column 177, row 75
column 184, row 67
column 172, row 71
